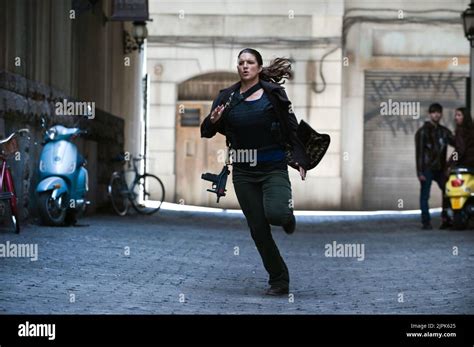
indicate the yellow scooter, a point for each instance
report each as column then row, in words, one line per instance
column 460, row 191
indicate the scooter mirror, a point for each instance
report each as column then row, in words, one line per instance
column 43, row 122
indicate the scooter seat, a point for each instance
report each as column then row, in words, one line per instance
column 462, row 170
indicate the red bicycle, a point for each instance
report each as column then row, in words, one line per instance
column 9, row 146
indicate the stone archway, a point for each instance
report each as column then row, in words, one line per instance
column 205, row 87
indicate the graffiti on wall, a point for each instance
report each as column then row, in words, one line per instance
column 446, row 88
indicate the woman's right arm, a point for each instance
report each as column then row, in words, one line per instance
column 213, row 122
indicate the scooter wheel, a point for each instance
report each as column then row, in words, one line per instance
column 52, row 213
column 460, row 220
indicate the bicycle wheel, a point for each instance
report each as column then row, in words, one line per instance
column 9, row 216
column 9, row 193
column 15, row 220
column 119, row 194
column 149, row 194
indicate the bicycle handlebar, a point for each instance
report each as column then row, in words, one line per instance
column 14, row 134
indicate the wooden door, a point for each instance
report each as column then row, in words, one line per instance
column 196, row 155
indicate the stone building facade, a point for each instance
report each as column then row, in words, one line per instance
column 192, row 53
column 349, row 57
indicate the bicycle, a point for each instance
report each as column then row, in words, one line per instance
column 139, row 193
column 8, row 147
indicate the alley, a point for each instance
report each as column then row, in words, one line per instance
column 195, row 262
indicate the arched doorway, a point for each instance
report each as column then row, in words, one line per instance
column 194, row 155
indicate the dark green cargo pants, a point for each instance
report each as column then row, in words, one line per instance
column 265, row 198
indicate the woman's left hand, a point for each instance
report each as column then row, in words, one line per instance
column 302, row 172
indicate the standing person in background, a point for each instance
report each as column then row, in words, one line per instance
column 432, row 141
column 463, row 154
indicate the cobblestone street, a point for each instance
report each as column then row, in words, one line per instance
column 187, row 262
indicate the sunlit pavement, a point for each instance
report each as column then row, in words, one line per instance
column 183, row 262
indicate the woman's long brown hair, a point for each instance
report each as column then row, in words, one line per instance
column 467, row 119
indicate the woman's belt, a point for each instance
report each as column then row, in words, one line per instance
column 270, row 155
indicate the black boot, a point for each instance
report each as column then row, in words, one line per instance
column 277, row 290
column 290, row 226
column 426, row 226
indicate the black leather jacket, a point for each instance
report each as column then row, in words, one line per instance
column 431, row 147
column 283, row 111
column 464, row 148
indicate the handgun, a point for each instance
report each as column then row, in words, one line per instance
column 218, row 181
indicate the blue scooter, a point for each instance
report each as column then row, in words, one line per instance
column 63, row 178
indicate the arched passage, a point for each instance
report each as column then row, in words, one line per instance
column 206, row 86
